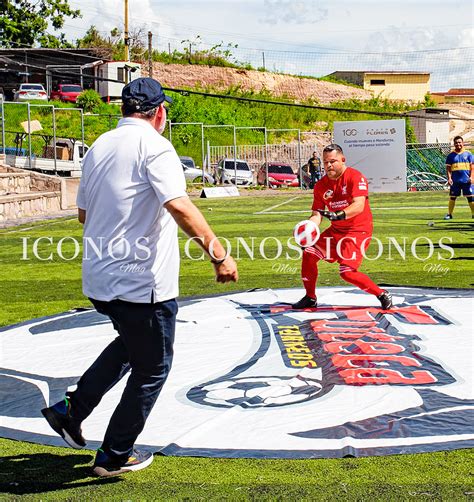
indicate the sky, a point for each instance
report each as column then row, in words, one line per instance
column 308, row 37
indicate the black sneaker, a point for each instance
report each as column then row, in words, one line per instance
column 306, row 303
column 385, row 300
column 105, row 466
column 448, row 217
column 60, row 419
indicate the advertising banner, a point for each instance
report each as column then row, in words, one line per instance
column 253, row 378
column 376, row 148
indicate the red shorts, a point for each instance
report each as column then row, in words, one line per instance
column 345, row 248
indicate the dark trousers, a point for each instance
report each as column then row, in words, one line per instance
column 144, row 345
column 315, row 177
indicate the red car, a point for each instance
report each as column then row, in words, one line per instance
column 279, row 174
column 66, row 92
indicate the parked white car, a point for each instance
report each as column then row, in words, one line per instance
column 234, row 171
column 26, row 92
column 192, row 173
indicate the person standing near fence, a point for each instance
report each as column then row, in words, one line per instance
column 459, row 171
column 314, row 169
column 132, row 198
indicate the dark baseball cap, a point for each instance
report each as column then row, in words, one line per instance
column 147, row 92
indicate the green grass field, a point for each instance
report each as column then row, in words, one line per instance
column 33, row 288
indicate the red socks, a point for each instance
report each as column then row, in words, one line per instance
column 309, row 274
column 309, row 270
column 360, row 280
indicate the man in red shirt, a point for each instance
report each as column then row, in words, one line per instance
column 344, row 191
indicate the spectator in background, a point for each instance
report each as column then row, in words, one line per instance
column 314, row 169
column 459, row 171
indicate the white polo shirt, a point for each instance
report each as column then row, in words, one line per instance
column 130, row 246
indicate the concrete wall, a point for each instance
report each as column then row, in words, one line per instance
column 399, row 86
column 431, row 131
column 13, row 207
column 26, row 193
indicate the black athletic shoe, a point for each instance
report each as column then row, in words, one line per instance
column 60, row 419
column 105, row 466
column 385, row 300
column 306, row 303
column 448, row 217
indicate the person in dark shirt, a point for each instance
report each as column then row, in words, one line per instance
column 314, row 168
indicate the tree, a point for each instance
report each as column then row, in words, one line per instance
column 112, row 47
column 25, row 23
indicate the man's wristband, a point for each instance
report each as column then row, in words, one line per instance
column 218, row 262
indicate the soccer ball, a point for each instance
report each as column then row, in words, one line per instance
column 257, row 392
column 306, row 233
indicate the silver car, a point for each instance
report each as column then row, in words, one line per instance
column 26, row 92
column 192, row 173
column 234, row 171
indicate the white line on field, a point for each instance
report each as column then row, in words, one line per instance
column 278, row 205
column 267, row 211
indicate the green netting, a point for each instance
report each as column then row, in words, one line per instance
column 426, row 167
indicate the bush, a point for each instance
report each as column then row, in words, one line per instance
column 89, row 101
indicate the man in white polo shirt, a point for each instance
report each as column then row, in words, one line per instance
column 131, row 199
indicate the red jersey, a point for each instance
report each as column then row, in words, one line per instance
column 338, row 194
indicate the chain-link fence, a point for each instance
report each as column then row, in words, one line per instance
column 426, row 166
column 49, row 138
column 54, row 140
column 254, row 146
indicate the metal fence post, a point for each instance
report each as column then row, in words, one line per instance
column 213, row 126
column 29, row 133
column 3, row 127
column 265, row 153
column 202, row 151
column 82, row 131
column 54, row 140
column 235, row 156
column 300, row 171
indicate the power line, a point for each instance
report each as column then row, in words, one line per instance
column 308, row 106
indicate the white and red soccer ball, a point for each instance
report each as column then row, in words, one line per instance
column 306, row 233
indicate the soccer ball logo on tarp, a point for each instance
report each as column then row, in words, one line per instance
column 258, row 391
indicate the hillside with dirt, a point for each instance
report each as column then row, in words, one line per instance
column 219, row 78
column 464, row 125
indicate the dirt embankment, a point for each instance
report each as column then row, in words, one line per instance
column 298, row 88
column 464, row 125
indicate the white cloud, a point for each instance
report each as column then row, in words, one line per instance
column 108, row 14
column 292, row 11
column 429, row 49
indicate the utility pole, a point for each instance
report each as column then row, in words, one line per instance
column 150, row 55
column 126, row 38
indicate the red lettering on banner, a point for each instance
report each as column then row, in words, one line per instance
column 358, row 360
column 412, row 314
column 335, row 325
column 365, row 347
column 339, row 337
column 379, row 376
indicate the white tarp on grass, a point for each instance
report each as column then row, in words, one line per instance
column 252, row 378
